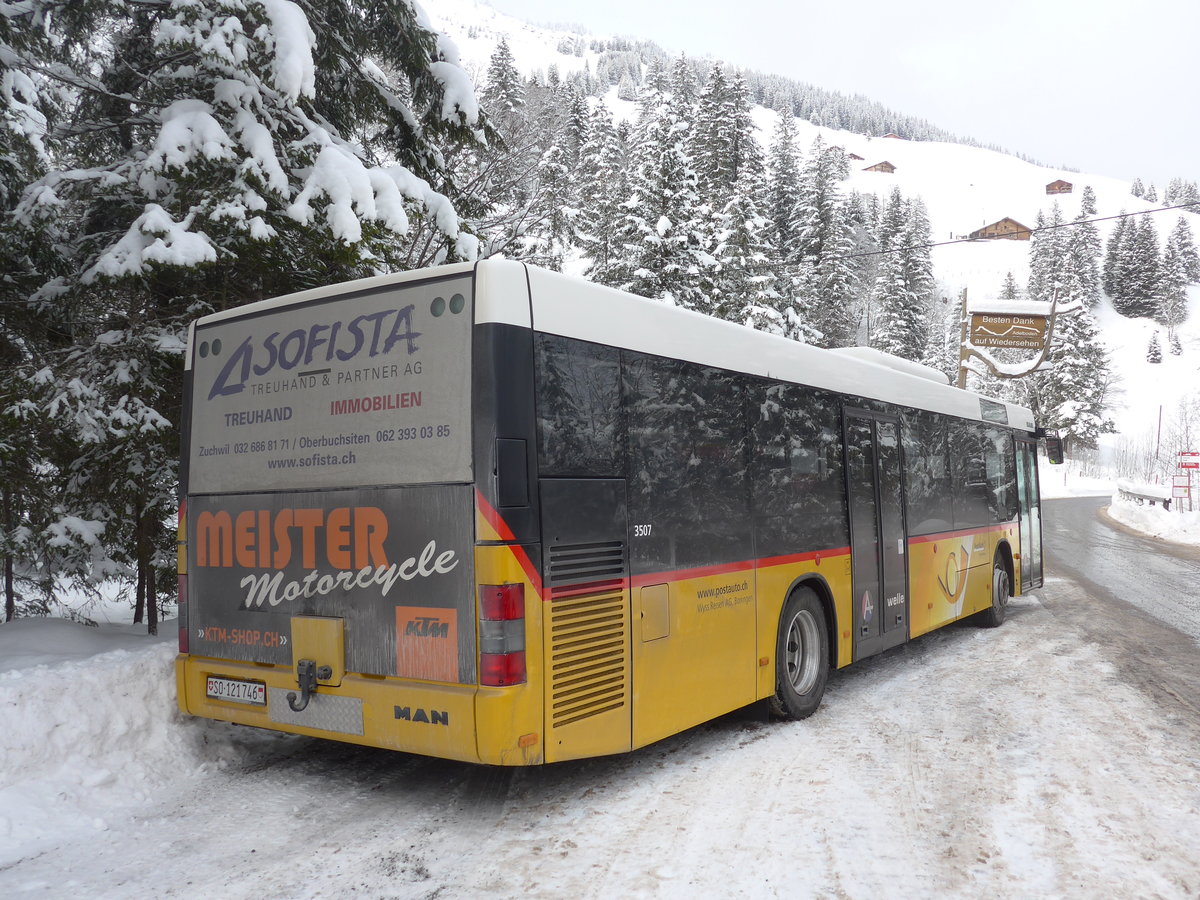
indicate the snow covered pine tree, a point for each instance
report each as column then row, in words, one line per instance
column 218, row 152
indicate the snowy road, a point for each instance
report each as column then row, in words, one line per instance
column 1044, row 758
column 1136, row 596
column 1161, row 578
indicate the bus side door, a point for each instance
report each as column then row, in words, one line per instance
column 877, row 533
column 1031, row 515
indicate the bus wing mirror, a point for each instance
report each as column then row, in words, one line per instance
column 1054, row 450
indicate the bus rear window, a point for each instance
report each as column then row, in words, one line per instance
column 370, row 388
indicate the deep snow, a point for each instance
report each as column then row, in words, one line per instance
column 1014, row 762
column 1180, row 526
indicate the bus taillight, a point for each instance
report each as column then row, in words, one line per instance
column 501, row 634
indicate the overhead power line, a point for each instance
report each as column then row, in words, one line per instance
column 1029, row 231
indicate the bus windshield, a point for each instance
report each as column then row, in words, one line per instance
column 334, row 393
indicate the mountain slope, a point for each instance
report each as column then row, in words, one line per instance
column 963, row 187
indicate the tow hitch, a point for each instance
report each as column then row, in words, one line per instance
column 307, row 675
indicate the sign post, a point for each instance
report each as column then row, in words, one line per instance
column 1188, row 460
column 1181, row 487
column 964, row 320
column 1020, row 332
column 1007, row 325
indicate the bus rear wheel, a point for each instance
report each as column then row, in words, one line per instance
column 993, row 616
column 801, row 656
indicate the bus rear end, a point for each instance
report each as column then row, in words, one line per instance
column 330, row 578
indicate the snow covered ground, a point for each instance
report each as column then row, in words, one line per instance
column 1180, row 527
column 1068, row 480
column 1014, row 762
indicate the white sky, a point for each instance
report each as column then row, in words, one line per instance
column 1104, row 86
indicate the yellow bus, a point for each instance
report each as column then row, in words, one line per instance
column 492, row 513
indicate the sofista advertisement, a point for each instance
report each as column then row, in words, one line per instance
column 330, row 476
column 366, row 389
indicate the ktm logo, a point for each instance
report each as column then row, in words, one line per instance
column 427, row 626
column 427, row 643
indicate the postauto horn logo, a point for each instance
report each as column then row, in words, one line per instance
column 374, row 334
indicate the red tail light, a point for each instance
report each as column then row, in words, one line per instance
column 502, row 602
column 501, row 634
column 500, row 669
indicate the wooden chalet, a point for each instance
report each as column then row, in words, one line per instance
column 854, row 156
column 1005, row 229
column 1059, row 187
column 884, row 166
column 893, row 136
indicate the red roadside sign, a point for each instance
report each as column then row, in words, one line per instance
column 1189, row 459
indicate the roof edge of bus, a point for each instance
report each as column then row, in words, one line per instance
column 345, row 287
column 707, row 340
column 896, row 363
column 596, row 322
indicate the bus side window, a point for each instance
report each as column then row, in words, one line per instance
column 927, row 471
column 972, row 497
column 578, row 407
column 687, row 428
column 798, row 496
column 1001, row 473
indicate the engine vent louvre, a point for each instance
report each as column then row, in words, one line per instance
column 581, row 563
column 588, row 655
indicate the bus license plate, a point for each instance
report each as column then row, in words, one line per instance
column 252, row 692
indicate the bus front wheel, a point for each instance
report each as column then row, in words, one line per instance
column 801, row 656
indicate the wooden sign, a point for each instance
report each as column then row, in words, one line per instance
column 1003, row 330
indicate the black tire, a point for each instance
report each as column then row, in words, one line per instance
column 801, row 656
column 993, row 616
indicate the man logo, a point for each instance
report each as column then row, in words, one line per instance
column 429, row 717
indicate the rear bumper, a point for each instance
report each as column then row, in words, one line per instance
column 427, row 718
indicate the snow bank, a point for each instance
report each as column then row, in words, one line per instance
column 1143, row 489
column 88, row 730
column 1178, row 527
column 1067, row 480
column 984, row 305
